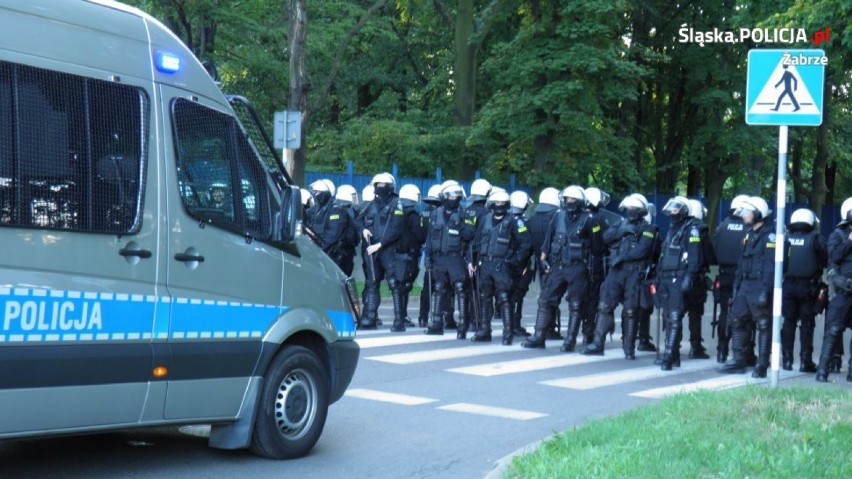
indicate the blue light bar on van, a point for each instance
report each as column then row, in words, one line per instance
column 167, row 62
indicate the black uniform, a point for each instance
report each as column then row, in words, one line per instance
column 569, row 241
column 697, row 296
column 631, row 244
column 334, row 230
column 728, row 244
column 445, row 248
column 597, row 272
column 473, row 212
column 646, row 300
column 753, row 289
column 681, row 260
column 837, row 317
column 347, row 250
column 806, row 259
column 383, row 217
column 407, row 257
column 539, row 225
column 522, row 275
column 499, row 246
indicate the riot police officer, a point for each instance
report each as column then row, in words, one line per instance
column 539, row 224
column 697, row 296
column 753, row 288
column 346, row 198
column 445, row 247
column 678, row 270
column 807, row 257
column 501, row 243
column 564, row 262
column 333, row 228
column 521, row 272
column 381, row 225
column 431, row 202
column 728, row 244
column 631, row 242
column 840, row 307
column 408, row 248
column 596, row 199
column 475, row 209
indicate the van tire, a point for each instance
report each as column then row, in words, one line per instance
column 293, row 405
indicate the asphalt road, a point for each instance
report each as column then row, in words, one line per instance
column 418, row 407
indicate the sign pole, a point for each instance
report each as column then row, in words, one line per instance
column 780, row 216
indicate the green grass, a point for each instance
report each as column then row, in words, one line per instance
column 750, row 432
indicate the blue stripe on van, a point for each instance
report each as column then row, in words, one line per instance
column 344, row 323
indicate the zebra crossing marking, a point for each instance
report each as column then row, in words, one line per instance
column 401, row 399
column 504, row 413
column 441, row 354
column 720, row 383
column 537, row 364
column 593, row 381
column 401, row 339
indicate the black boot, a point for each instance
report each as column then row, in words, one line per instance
column 606, row 321
column 436, row 326
column 398, row 310
column 508, row 318
column 644, row 333
column 543, row 320
column 555, row 325
column 833, row 335
column 571, row 332
column 696, row 350
column 737, row 365
column 371, row 306
column 806, row 339
column 463, row 307
column 788, row 336
column 517, row 316
column 423, row 314
column 724, row 339
column 671, row 353
column 486, row 309
column 630, row 327
column 764, row 348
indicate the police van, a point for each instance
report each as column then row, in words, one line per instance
column 152, row 270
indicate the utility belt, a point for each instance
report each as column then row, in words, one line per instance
column 569, row 262
column 670, row 274
column 494, row 259
column 454, row 254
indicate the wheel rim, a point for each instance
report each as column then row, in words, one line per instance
column 295, row 403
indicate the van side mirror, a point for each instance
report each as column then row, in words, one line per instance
column 291, row 212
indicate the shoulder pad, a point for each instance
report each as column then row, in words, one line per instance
column 521, row 223
column 694, row 231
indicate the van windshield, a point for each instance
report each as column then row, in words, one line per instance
column 259, row 139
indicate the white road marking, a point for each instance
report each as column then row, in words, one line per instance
column 500, row 412
column 402, row 399
column 724, row 382
column 593, row 381
column 538, row 364
column 441, row 354
column 401, row 339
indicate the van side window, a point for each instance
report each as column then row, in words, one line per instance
column 72, row 151
column 221, row 180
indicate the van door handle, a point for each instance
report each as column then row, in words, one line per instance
column 141, row 253
column 189, row 257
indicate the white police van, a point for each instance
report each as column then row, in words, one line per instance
column 151, row 266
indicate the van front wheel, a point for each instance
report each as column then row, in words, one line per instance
column 293, row 405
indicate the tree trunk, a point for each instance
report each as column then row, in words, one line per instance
column 820, row 194
column 298, row 26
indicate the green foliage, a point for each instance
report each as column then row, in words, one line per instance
column 746, row 432
column 596, row 92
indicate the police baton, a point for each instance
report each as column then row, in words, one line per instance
column 477, row 316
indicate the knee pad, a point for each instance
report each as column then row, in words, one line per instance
column 502, row 297
column 605, row 308
column 764, row 324
column 440, row 287
column 393, row 283
column 459, row 286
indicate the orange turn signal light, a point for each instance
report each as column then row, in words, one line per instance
column 160, row 372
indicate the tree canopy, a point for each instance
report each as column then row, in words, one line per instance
column 594, row 92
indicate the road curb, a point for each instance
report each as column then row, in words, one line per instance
column 502, row 464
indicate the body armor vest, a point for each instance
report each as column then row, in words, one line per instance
column 751, row 262
column 674, row 251
column 495, row 239
column 802, row 260
column 377, row 220
column 567, row 246
column 445, row 234
column 729, row 242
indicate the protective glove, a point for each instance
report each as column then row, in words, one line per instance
column 686, row 284
column 763, row 299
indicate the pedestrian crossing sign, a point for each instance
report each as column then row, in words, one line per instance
column 785, row 87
